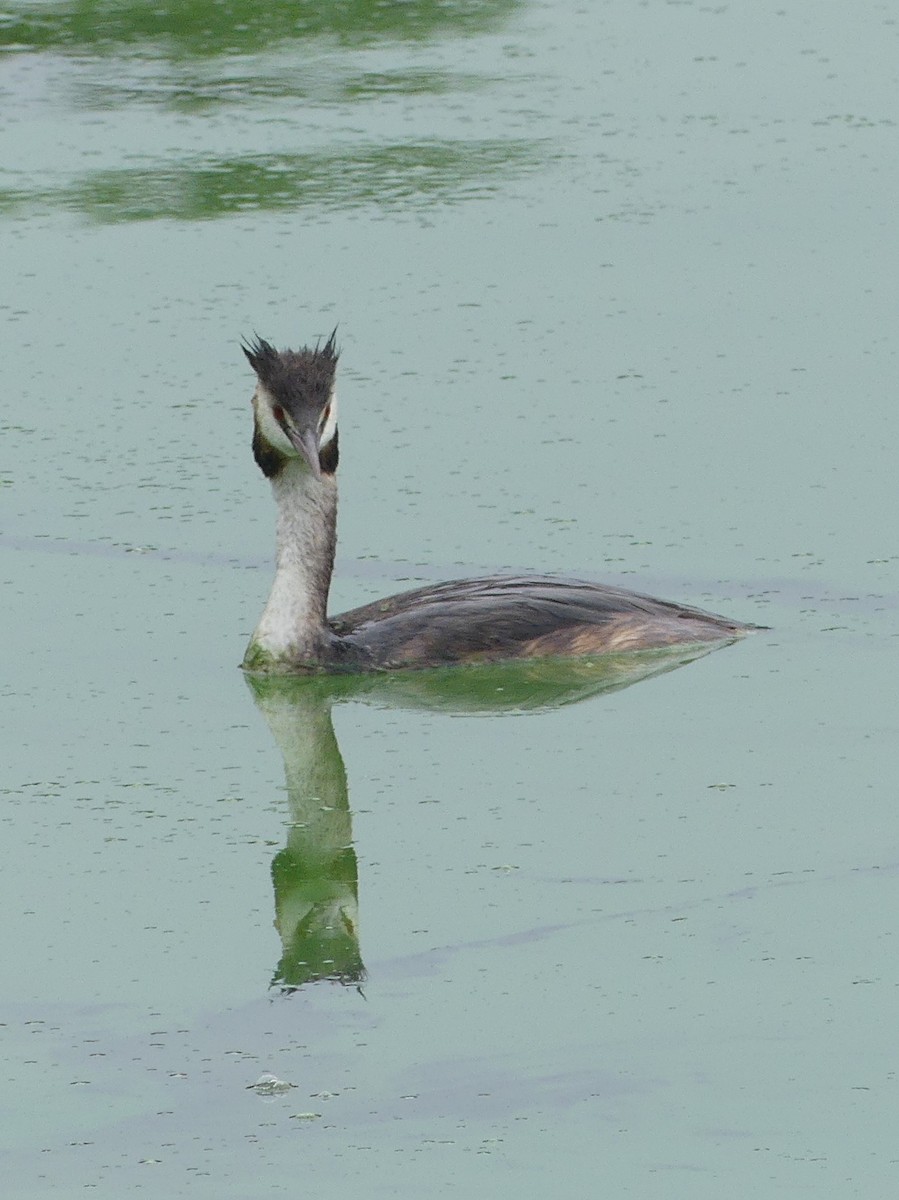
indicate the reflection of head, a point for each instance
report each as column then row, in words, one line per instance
column 316, row 906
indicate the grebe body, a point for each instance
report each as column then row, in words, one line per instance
column 490, row 619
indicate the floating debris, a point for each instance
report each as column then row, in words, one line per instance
column 269, row 1085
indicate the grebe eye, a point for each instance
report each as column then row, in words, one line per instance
column 278, row 414
column 324, row 417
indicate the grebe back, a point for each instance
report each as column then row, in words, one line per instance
column 488, row 619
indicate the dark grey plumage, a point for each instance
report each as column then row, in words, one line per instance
column 504, row 617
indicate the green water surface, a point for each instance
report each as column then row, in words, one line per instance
column 616, row 294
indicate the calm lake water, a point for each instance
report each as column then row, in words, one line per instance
column 616, row 289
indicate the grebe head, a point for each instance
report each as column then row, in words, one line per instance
column 295, row 406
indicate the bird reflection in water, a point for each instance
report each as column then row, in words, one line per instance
column 315, row 876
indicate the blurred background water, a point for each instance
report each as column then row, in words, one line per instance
column 615, row 287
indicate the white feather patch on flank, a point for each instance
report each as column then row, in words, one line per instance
column 268, row 426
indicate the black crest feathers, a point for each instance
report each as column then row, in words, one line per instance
column 261, row 354
column 296, row 377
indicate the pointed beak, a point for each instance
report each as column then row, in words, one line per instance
column 305, row 442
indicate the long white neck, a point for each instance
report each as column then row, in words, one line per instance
column 292, row 631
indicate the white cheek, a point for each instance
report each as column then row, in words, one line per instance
column 330, row 425
column 268, row 426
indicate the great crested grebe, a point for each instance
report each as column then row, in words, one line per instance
column 466, row 621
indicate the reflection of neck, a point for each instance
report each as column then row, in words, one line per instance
column 293, row 624
column 313, row 768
